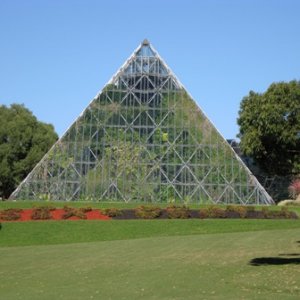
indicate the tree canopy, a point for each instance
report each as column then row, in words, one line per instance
column 270, row 128
column 23, row 142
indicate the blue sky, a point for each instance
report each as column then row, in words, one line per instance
column 55, row 55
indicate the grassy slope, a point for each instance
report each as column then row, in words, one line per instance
column 65, row 232
column 210, row 266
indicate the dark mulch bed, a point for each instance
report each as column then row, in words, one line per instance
column 129, row 214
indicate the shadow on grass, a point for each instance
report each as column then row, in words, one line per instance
column 264, row 261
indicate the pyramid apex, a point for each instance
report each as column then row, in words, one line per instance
column 145, row 42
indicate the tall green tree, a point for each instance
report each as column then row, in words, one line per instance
column 270, row 128
column 23, row 142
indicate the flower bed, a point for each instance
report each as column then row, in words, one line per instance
column 144, row 212
column 46, row 213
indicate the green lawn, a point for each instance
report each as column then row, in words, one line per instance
column 149, row 259
column 203, row 266
column 66, row 232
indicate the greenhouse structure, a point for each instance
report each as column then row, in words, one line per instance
column 143, row 139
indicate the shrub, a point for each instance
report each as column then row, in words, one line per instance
column 85, row 209
column 266, row 213
column 178, row 212
column 48, row 206
column 250, row 208
column 294, row 188
column 73, row 212
column 242, row 211
column 11, row 214
column 287, row 202
column 147, row 212
column 216, row 212
column 212, row 212
column 41, row 213
column 203, row 213
column 230, row 208
column 111, row 212
column 284, row 212
column 297, row 201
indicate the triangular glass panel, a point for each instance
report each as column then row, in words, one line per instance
column 145, row 50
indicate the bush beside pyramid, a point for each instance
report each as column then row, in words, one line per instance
column 143, row 138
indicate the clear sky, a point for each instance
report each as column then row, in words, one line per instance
column 56, row 55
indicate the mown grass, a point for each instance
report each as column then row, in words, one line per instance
column 66, row 232
column 202, row 266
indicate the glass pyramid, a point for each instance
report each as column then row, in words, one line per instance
column 143, row 138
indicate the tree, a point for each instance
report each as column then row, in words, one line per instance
column 23, row 142
column 270, row 128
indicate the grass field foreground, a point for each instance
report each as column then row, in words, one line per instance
column 208, row 266
column 66, row 232
column 150, row 259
